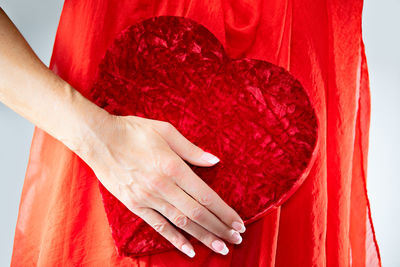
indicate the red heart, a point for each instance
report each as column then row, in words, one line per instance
column 253, row 115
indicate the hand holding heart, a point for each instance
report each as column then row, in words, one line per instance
column 141, row 162
column 253, row 115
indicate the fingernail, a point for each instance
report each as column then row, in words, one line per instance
column 220, row 247
column 209, row 158
column 236, row 236
column 238, row 226
column 188, row 251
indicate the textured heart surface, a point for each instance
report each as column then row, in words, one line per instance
column 252, row 114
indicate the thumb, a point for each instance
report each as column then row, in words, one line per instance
column 183, row 147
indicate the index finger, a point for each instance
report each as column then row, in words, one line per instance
column 193, row 185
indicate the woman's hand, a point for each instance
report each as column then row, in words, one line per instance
column 141, row 162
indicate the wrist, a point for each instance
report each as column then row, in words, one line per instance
column 83, row 127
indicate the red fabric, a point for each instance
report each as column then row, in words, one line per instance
column 253, row 115
column 326, row 222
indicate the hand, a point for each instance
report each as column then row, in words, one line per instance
column 140, row 161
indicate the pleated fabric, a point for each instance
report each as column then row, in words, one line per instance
column 327, row 222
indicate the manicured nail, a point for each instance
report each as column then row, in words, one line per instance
column 220, row 247
column 238, row 226
column 236, row 237
column 188, row 251
column 209, row 158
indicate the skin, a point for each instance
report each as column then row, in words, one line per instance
column 139, row 160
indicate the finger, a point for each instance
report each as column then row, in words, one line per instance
column 180, row 220
column 188, row 181
column 200, row 191
column 155, row 220
column 183, row 147
column 198, row 213
column 163, row 227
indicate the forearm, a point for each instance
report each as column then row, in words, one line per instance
column 33, row 91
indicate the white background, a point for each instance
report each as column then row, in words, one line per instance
column 38, row 20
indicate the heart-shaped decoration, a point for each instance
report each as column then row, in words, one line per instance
column 253, row 115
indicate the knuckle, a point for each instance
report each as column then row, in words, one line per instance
column 130, row 202
column 171, row 167
column 167, row 127
column 160, row 227
column 140, row 211
column 180, row 220
column 163, row 209
column 142, row 196
column 157, row 183
column 197, row 213
column 133, row 205
column 205, row 200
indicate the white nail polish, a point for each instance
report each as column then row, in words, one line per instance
column 225, row 250
column 239, row 227
column 217, row 244
column 188, row 251
column 209, row 158
column 236, row 236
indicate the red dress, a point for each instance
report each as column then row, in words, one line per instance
column 327, row 221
